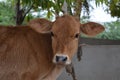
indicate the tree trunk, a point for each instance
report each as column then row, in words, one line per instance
column 18, row 13
column 78, row 9
column 21, row 13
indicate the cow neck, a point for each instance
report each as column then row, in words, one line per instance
column 53, row 73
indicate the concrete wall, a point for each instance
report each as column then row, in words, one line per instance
column 99, row 62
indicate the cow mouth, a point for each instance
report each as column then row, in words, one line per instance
column 62, row 63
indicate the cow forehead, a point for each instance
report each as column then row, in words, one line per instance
column 66, row 24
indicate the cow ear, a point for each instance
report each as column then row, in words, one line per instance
column 91, row 28
column 41, row 25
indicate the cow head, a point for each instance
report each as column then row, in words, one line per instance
column 64, row 32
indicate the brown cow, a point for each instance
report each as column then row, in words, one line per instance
column 41, row 50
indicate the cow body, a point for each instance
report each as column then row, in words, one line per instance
column 41, row 50
column 20, row 54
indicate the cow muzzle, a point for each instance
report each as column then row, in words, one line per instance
column 61, row 59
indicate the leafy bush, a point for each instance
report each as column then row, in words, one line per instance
column 7, row 14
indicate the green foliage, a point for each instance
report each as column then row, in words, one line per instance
column 7, row 14
column 52, row 6
column 113, row 6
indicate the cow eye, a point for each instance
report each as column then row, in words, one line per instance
column 77, row 35
column 52, row 34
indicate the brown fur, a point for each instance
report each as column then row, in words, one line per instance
column 20, row 53
column 27, row 52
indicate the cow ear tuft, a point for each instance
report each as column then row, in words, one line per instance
column 41, row 25
column 91, row 28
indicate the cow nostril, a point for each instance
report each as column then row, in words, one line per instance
column 57, row 58
column 65, row 59
column 61, row 58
